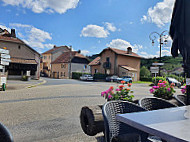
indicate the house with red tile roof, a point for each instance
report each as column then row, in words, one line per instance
column 51, row 55
column 23, row 57
column 69, row 62
column 114, row 61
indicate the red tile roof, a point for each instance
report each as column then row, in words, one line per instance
column 122, row 52
column 65, row 57
column 96, row 61
column 53, row 49
column 11, row 39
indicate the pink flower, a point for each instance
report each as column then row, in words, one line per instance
column 183, row 90
column 117, row 90
column 155, row 87
column 102, row 93
column 110, row 96
column 169, row 89
column 151, row 90
column 164, row 85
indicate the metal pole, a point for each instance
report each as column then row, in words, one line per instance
column 160, row 52
column 70, row 62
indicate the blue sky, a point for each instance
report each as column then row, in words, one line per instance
column 89, row 25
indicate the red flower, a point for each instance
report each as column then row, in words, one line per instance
column 123, row 82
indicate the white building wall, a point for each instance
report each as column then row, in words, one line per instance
column 76, row 67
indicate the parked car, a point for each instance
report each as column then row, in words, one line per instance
column 86, row 77
column 112, row 78
column 127, row 79
column 173, row 80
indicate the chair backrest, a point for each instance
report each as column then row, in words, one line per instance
column 113, row 127
column 5, row 135
column 181, row 99
column 153, row 103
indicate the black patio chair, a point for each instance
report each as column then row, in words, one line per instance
column 181, row 99
column 153, row 103
column 116, row 131
column 5, row 135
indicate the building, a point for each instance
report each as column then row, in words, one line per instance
column 23, row 57
column 49, row 56
column 117, row 62
column 69, row 62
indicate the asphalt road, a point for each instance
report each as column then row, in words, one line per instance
column 50, row 113
column 53, row 81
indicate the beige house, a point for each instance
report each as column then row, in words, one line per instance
column 49, row 56
column 23, row 57
column 117, row 62
column 69, row 62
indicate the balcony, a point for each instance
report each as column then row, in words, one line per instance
column 107, row 65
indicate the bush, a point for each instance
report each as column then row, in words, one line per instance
column 157, row 79
column 146, row 79
column 144, row 72
column 100, row 76
column 76, row 75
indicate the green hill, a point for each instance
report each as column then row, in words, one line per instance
column 170, row 63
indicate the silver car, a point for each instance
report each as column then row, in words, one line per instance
column 86, row 77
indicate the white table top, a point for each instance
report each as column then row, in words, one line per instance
column 172, row 124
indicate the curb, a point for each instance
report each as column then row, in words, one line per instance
column 44, row 81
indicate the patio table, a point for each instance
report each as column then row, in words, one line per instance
column 171, row 124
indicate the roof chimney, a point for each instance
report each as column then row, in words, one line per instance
column 129, row 50
column 13, row 34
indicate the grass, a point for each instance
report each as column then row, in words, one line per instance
column 143, row 82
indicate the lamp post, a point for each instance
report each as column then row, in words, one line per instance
column 163, row 36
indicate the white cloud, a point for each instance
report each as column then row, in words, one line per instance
column 94, row 31
column 39, row 6
column 33, row 36
column 165, row 53
column 146, row 55
column 123, row 44
column 85, row 52
column 160, row 14
column 110, row 27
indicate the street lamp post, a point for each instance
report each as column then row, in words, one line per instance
column 162, row 39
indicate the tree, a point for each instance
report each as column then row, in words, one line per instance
column 144, row 72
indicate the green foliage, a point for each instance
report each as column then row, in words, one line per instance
column 91, row 58
column 24, row 78
column 158, row 78
column 76, row 75
column 170, row 63
column 146, row 79
column 100, row 76
column 144, row 72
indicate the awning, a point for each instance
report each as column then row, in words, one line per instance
column 23, row 61
column 128, row 68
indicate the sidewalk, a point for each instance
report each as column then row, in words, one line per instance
column 18, row 84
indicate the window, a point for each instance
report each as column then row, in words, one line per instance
column 49, row 57
column 63, row 66
column 44, row 57
column 85, row 67
column 95, row 71
column 107, row 59
column 19, row 47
